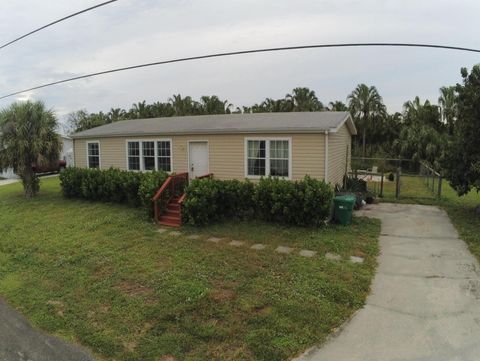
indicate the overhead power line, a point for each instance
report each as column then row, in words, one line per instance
column 242, row 52
column 56, row 22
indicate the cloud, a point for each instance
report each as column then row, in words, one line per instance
column 130, row 32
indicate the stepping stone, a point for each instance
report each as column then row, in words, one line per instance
column 175, row 233
column 307, row 253
column 236, row 243
column 193, row 236
column 333, row 256
column 258, row 246
column 283, row 249
column 214, row 239
column 356, row 259
column 161, row 230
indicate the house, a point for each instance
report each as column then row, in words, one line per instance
column 231, row 146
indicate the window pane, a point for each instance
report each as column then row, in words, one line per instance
column 134, row 163
column 256, row 149
column 93, row 162
column 133, row 149
column 279, row 149
column 149, row 163
column 164, row 164
column 256, row 167
column 279, row 167
column 163, row 149
column 148, row 149
column 93, row 149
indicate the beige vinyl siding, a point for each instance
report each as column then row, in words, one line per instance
column 226, row 153
column 338, row 159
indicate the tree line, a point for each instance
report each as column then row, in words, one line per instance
column 417, row 133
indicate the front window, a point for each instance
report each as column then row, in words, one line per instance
column 148, row 152
column 279, row 158
column 256, row 157
column 268, row 157
column 144, row 155
column 164, row 156
column 93, row 151
column 134, row 155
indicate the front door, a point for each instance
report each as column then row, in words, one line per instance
column 198, row 159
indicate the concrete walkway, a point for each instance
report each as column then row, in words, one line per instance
column 4, row 182
column 20, row 342
column 425, row 300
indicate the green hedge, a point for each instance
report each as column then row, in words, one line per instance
column 112, row 185
column 305, row 202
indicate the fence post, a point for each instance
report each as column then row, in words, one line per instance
column 397, row 188
column 439, row 195
column 381, row 186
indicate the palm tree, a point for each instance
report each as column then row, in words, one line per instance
column 448, row 106
column 337, row 106
column 184, row 106
column 272, row 105
column 213, row 105
column 303, row 100
column 28, row 136
column 365, row 103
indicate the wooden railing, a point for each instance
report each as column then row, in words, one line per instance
column 208, row 175
column 173, row 186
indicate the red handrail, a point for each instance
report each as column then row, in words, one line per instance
column 169, row 183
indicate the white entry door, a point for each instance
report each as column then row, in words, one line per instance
column 198, row 159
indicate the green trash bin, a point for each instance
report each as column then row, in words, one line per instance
column 343, row 208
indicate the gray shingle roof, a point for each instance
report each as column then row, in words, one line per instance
column 291, row 122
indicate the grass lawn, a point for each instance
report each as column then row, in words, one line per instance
column 459, row 209
column 103, row 276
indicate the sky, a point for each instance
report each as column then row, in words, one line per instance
column 131, row 32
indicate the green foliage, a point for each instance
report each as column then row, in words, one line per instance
column 112, row 185
column 28, row 136
column 462, row 160
column 209, row 200
column 305, row 202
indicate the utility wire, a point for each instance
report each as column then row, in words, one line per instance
column 242, row 52
column 56, row 22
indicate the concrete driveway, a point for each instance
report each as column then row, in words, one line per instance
column 425, row 300
column 20, row 342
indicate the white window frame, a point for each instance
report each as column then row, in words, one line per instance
column 99, row 153
column 267, row 156
column 142, row 163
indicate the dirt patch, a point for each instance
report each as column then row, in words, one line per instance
column 167, row 358
column 222, row 295
column 134, row 289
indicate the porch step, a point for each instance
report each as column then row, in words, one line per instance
column 175, row 224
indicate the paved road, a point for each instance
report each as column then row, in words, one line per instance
column 425, row 300
column 20, row 342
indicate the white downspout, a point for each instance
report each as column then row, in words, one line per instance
column 326, row 156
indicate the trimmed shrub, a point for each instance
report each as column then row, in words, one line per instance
column 305, row 202
column 112, row 185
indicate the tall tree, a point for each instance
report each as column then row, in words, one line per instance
column 448, row 106
column 28, row 136
column 462, row 159
column 303, row 100
column 337, row 106
column 365, row 103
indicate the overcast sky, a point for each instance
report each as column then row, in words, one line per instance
column 130, row 32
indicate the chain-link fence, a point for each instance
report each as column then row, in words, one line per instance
column 397, row 178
